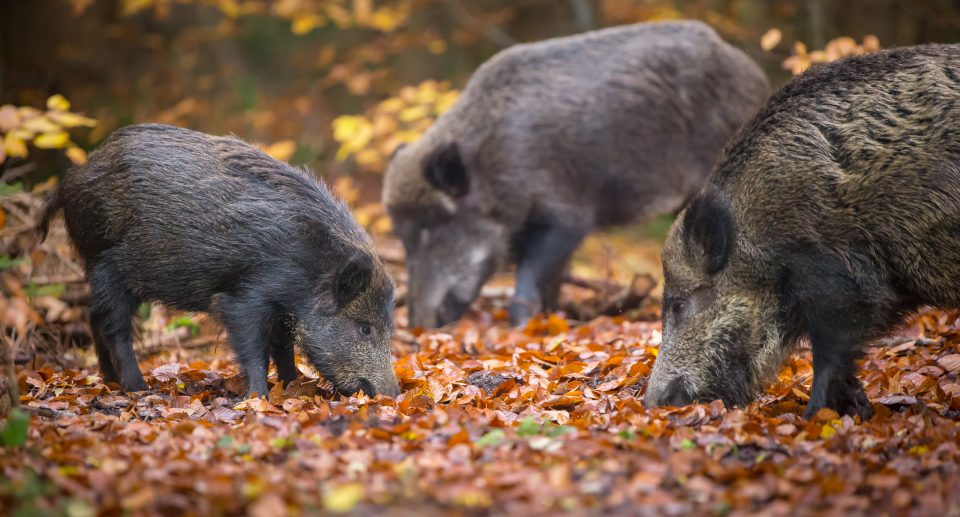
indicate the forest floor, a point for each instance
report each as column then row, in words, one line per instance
column 492, row 419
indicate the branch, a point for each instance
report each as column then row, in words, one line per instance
column 491, row 32
column 583, row 14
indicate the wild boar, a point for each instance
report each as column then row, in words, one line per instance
column 206, row 223
column 832, row 214
column 551, row 140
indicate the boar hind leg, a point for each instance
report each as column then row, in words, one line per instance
column 249, row 323
column 543, row 258
column 840, row 305
column 112, row 307
column 281, row 349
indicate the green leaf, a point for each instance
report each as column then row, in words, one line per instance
column 184, row 322
column 14, row 432
column 8, row 189
column 627, row 434
column 560, row 430
column 491, row 439
column 688, row 444
column 54, row 290
column 225, row 442
column 144, row 311
column 6, row 262
column 528, row 427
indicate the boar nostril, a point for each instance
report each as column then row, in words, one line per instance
column 676, row 394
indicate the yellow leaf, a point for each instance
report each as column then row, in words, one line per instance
column 362, row 9
column 229, row 8
column 386, row 20
column 52, row 140
column 281, row 150
column 413, row 113
column 305, row 23
column 77, row 156
column 346, row 189
column 26, row 112
column 827, row 431
column 58, row 103
column 871, row 43
column 770, row 39
column 134, row 6
column 343, row 498
column 382, row 226
column 446, row 101
column 9, row 117
column 40, row 124
column 437, row 46
column 14, row 146
column 67, row 119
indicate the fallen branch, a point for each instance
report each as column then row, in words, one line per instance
column 58, row 279
column 612, row 300
column 47, row 412
column 171, row 341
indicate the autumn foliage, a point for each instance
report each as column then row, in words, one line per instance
column 542, row 420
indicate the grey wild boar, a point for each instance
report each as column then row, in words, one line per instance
column 205, row 223
column 552, row 140
column 833, row 213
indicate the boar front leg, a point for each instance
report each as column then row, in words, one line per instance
column 249, row 322
column 281, row 349
column 840, row 303
column 112, row 307
column 543, row 258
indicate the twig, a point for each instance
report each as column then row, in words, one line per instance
column 491, row 32
column 58, row 279
column 15, row 172
column 47, row 412
column 163, row 344
column 11, row 373
column 624, row 299
column 583, row 13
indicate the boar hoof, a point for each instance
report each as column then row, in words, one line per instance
column 853, row 402
column 131, row 385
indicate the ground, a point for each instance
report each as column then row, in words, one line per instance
column 492, row 419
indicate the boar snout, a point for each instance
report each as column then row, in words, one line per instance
column 674, row 393
column 387, row 386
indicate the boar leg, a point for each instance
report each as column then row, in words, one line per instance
column 542, row 262
column 281, row 349
column 831, row 298
column 112, row 307
column 249, row 323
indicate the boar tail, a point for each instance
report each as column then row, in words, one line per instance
column 54, row 204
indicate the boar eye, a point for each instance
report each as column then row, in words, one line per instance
column 677, row 307
column 366, row 329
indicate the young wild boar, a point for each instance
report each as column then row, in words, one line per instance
column 551, row 140
column 205, row 223
column 832, row 214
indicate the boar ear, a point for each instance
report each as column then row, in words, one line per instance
column 352, row 279
column 444, row 169
column 709, row 225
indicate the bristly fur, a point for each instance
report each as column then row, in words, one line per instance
column 207, row 223
column 844, row 192
column 558, row 138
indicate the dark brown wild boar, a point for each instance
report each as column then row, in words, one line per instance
column 552, row 140
column 834, row 212
column 205, row 223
